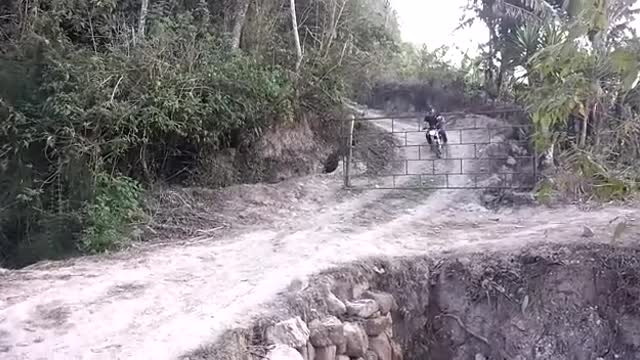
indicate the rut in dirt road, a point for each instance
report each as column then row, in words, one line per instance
column 163, row 303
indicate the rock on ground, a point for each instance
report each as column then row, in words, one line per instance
column 396, row 351
column 381, row 346
column 308, row 352
column 364, row 308
column 335, row 306
column 342, row 348
column 293, row 332
column 326, row 332
column 326, row 353
column 587, row 232
column 377, row 325
column 519, row 198
column 370, row 355
column 357, row 341
column 359, row 289
column 283, row 352
column 386, row 301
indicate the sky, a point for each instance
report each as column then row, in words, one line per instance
column 432, row 22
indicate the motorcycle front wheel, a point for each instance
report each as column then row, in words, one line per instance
column 439, row 151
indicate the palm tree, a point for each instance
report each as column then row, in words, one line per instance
column 503, row 18
column 585, row 82
column 566, row 76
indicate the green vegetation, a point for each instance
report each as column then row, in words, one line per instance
column 574, row 65
column 101, row 99
column 115, row 207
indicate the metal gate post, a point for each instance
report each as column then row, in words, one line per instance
column 535, row 166
column 347, row 178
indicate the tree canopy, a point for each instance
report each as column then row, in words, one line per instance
column 101, row 98
column 579, row 66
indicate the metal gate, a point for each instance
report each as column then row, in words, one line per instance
column 485, row 150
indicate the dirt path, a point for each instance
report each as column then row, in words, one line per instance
column 163, row 303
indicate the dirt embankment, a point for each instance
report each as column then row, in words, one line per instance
column 280, row 152
column 572, row 301
column 311, row 145
column 302, row 175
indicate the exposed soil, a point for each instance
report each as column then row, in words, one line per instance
column 547, row 301
column 281, row 151
column 162, row 301
column 550, row 302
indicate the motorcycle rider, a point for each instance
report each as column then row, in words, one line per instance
column 434, row 121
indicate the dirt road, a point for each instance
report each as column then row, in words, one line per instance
column 162, row 303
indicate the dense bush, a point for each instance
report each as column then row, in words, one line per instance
column 101, row 99
column 77, row 125
column 115, row 207
column 574, row 66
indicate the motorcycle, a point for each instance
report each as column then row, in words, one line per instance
column 436, row 142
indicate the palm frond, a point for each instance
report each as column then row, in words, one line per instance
column 524, row 43
column 553, row 35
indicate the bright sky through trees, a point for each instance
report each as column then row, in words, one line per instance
column 433, row 22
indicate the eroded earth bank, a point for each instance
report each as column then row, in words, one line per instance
column 544, row 302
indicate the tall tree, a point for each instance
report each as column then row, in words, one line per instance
column 503, row 18
column 296, row 35
column 239, row 17
column 144, row 9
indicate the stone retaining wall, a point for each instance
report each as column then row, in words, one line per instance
column 356, row 329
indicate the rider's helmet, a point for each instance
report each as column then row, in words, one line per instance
column 431, row 111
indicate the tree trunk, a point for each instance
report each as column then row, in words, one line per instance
column 144, row 8
column 583, row 132
column 239, row 16
column 547, row 157
column 597, row 125
column 500, row 78
column 387, row 11
column 324, row 46
column 296, row 35
column 599, row 49
column 336, row 15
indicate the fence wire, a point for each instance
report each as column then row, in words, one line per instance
column 483, row 152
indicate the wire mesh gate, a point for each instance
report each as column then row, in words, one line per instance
column 485, row 150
